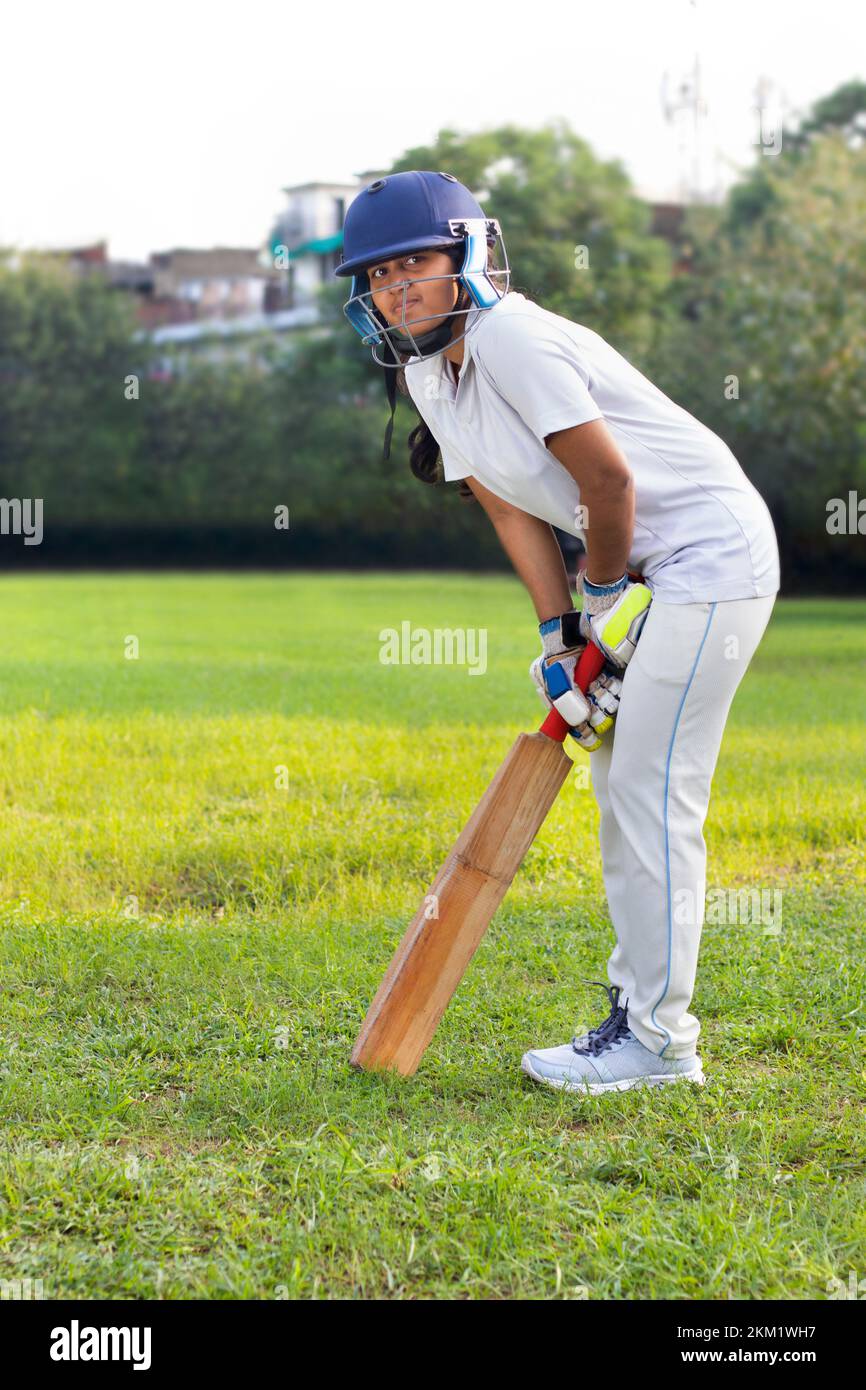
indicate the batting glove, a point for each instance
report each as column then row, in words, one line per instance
column 590, row 714
column 613, row 616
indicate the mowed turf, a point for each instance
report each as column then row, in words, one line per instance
column 209, row 853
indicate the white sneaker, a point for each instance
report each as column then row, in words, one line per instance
column 608, row 1058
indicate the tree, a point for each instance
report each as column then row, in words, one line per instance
column 552, row 196
column 783, row 312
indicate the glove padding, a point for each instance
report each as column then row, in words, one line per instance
column 590, row 714
column 613, row 616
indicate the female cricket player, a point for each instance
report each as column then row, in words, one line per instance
column 546, row 424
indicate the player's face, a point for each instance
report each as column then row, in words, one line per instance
column 426, row 301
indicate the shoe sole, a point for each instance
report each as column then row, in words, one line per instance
column 594, row 1088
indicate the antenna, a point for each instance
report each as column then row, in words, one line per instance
column 680, row 100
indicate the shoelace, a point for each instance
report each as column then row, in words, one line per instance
column 615, row 1026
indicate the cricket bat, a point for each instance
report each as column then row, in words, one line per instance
column 445, row 932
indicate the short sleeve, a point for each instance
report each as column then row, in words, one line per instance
column 453, row 466
column 537, row 368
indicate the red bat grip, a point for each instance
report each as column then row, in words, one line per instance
column 588, row 667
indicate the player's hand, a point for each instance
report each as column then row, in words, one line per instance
column 588, row 715
column 613, row 616
column 604, row 693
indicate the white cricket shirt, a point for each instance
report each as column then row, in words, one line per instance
column 702, row 530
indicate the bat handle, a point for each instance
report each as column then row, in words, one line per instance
column 588, row 667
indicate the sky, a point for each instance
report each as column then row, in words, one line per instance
column 179, row 124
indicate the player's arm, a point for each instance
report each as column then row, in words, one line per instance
column 594, row 459
column 533, row 550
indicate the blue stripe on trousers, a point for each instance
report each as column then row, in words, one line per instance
column 667, row 835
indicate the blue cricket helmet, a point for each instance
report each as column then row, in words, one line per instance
column 403, row 212
column 415, row 211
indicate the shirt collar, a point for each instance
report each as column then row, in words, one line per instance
column 448, row 387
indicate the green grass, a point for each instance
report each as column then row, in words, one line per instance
column 189, row 940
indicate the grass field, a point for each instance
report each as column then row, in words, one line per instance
column 208, row 855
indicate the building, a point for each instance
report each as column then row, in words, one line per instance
column 667, row 220
column 308, row 235
column 211, row 300
column 220, row 283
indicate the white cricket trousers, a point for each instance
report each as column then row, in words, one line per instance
column 651, row 778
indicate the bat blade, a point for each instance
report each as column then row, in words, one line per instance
column 445, row 932
column 447, row 928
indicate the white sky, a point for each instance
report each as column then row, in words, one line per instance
column 178, row 124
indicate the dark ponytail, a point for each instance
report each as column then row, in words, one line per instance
column 424, row 453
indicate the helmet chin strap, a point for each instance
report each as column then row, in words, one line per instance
column 431, row 342
column 435, row 338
